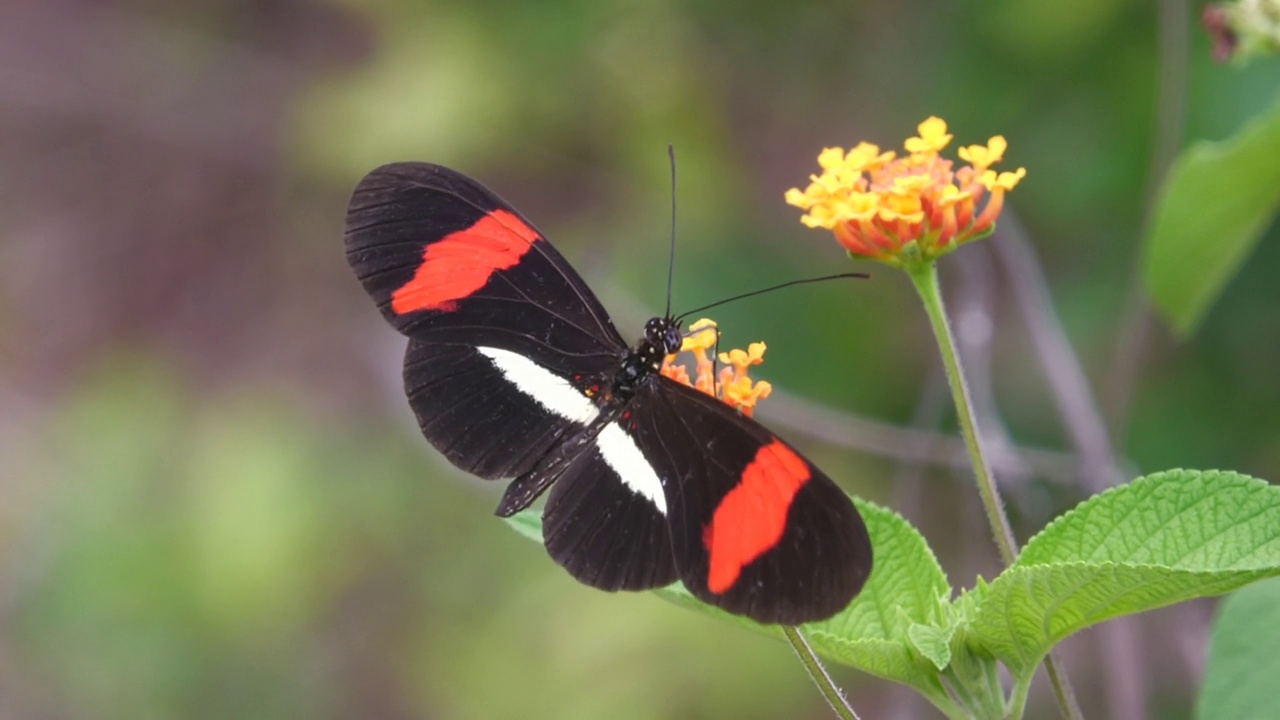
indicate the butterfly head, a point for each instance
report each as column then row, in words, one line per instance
column 663, row 335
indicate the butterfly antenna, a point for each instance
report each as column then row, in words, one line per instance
column 671, row 259
column 715, row 365
column 771, row 288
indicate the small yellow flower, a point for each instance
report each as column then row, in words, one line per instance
column 702, row 336
column 908, row 210
column 951, row 195
column 1003, row 181
column 733, row 385
column 754, row 355
column 860, row 206
column 933, row 137
column 743, row 394
column 901, row 206
column 832, row 157
column 984, row 156
column 866, row 156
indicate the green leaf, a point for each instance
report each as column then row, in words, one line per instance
column 907, row 588
column 1214, row 206
column 933, row 642
column 1161, row 539
column 1240, row 680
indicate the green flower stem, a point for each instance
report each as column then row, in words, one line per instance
column 925, row 276
column 818, row 674
column 1021, row 689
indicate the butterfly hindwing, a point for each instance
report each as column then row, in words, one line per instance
column 495, row 415
column 604, row 531
column 447, row 260
column 756, row 529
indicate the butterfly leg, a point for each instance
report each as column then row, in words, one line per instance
column 526, row 488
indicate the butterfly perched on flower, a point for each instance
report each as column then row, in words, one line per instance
column 515, row 371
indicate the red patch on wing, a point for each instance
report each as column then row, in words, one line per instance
column 462, row 262
column 753, row 515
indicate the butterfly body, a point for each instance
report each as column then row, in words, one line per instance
column 515, row 371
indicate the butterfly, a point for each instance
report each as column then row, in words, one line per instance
column 515, row 371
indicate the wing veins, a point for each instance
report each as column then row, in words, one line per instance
column 590, row 302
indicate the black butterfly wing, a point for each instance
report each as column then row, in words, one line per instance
column 504, row 336
column 479, row 418
column 607, row 531
column 448, row 261
column 756, row 529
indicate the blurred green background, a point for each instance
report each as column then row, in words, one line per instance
column 213, row 500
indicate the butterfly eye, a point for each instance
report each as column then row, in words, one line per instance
column 671, row 340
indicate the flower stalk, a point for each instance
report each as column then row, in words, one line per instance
column 812, row 665
column 925, row 278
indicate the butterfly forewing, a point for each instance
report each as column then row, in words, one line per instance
column 448, row 261
column 756, row 529
column 499, row 323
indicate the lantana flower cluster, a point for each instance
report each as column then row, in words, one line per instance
column 909, row 209
column 733, row 384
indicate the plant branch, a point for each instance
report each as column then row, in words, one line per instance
column 1063, row 372
column 841, row 428
column 1067, row 703
column 852, row 431
column 973, row 314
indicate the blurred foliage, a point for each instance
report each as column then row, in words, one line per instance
column 215, row 502
column 236, row 558
column 1240, row 678
column 1213, row 209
